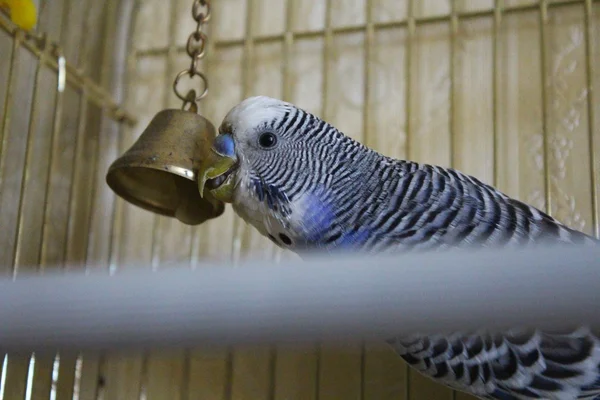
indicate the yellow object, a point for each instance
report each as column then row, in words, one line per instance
column 22, row 13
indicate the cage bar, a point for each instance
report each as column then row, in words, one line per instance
column 288, row 47
column 411, row 31
column 410, row 37
column 418, row 21
column 326, row 59
column 369, row 39
column 6, row 115
column 286, row 95
column 66, row 362
column 25, row 176
column 75, row 179
column 368, row 70
column 498, row 11
column 590, row 73
column 44, row 365
column 543, row 20
column 23, row 379
column 454, row 21
column 72, row 385
column 111, row 366
column 351, row 297
column 240, row 230
column 454, row 26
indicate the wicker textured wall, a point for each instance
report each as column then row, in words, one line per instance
column 499, row 89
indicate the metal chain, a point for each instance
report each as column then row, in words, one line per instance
column 196, row 49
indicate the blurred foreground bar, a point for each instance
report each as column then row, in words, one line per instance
column 320, row 299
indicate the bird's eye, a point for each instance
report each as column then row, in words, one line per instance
column 267, row 140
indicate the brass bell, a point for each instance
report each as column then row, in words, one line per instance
column 158, row 173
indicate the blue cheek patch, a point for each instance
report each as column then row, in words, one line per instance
column 352, row 239
column 224, row 145
column 318, row 218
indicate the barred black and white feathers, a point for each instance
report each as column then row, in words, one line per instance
column 315, row 189
column 527, row 364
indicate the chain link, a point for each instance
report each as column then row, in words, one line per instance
column 195, row 48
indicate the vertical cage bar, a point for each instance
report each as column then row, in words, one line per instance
column 287, row 51
column 60, row 387
column 327, row 46
column 369, row 39
column 286, row 94
column 18, row 362
column 65, row 363
column 66, row 386
column 11, row 79
column 294, row 373
column 73, row 201
column 143, row 384
column 28, row 161
column 158, row 221
column 453, row 43
column 75, row 174
column 590, row 73
column 57, row 366
column 272, row 367
column 117, row 221
column 543, row 20
column 45, row 364
column 117, row 217
column 93, row 191
column 227, row 383
column 288, row 46
column 368, row 45
column 116, row 240
column 498, row 5
column 239, row 229
column 64, row 28
column 170, row 73
column 89, row 365
column 266, row 359
column 154, row 248
column 195, row 247
column 454, row 24
column 84, row 134
column 228, row 380
column 105, row 79
column 326, row 59
column 410, row 37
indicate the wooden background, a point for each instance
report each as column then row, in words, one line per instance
column 504, row 90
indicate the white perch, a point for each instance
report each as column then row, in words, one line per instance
column 327, row 299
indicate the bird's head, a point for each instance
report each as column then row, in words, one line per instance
column 273, row 159
column 272, row 147
column 250, row 143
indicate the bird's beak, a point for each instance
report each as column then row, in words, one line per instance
column 217, row 173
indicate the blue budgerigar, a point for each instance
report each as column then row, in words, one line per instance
column 308, row 187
